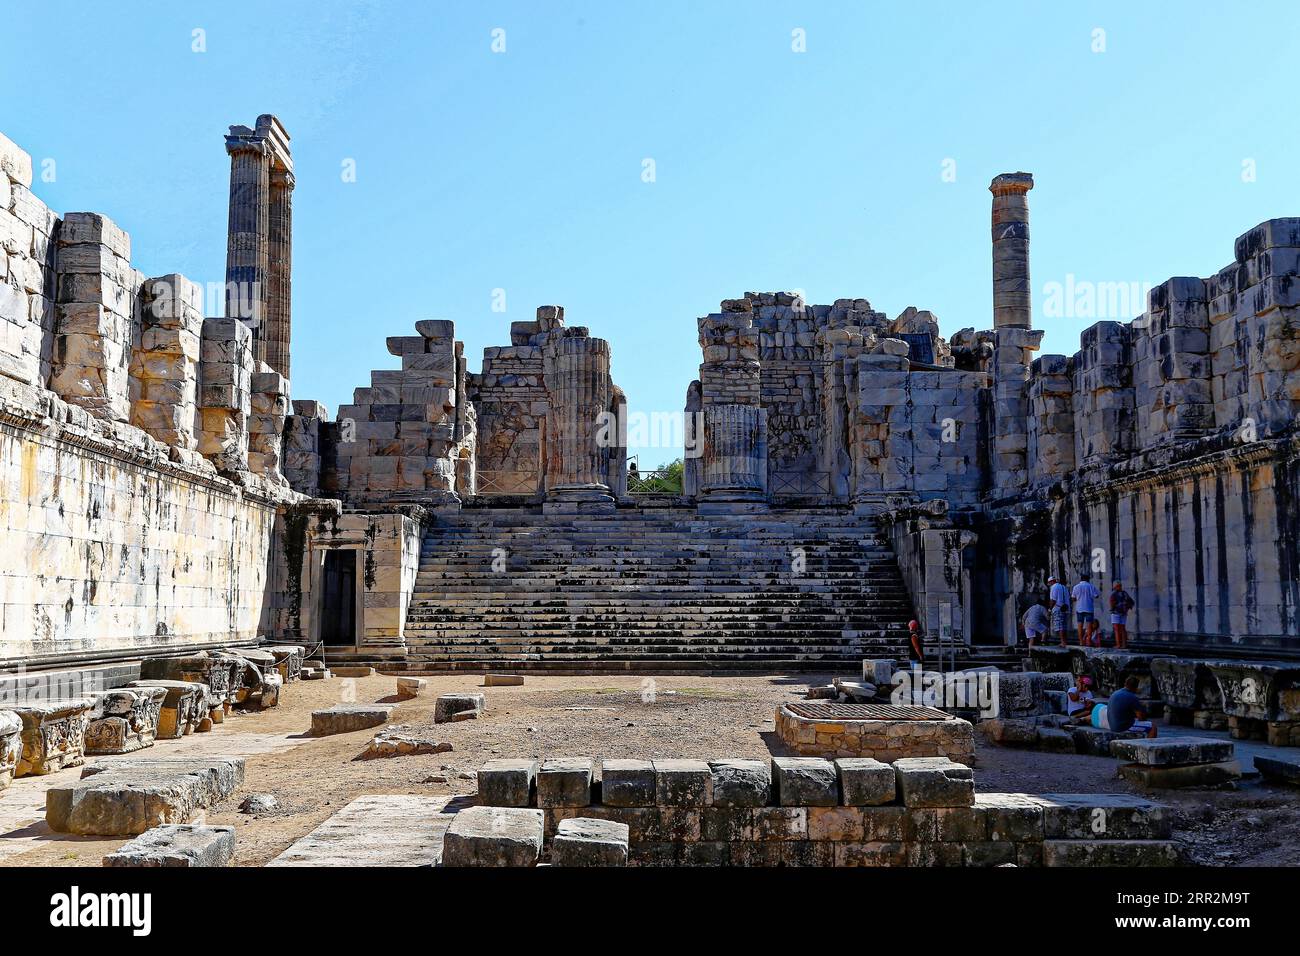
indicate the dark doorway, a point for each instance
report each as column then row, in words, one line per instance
column 339, row 601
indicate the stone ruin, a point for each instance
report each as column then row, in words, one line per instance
column 166, row 491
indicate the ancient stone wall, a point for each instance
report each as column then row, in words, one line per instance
column 139, row 448
column 402, row 436
column 1183, row 478
column 107, row 544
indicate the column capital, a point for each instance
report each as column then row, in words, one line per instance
column 1005, row 184
column 282, row 177
column 241, row 139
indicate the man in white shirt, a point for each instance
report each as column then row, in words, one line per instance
column 1058, row 600
column 1085, row 596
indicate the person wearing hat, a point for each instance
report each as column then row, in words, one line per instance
column 914, row 637
column 1079, row 700
column 1058, row 601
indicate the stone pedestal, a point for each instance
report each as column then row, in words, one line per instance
column 11, row 746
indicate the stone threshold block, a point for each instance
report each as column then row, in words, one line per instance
column 1180, row 777
column 183, row 709
column 346, row 718
column 1174, row 751
column 11, row 746
column 627, row 783
column 349, row 670
column 409, row 687
column 934, row 782
column 683, row 783
column 376, row 830
column 494, row 836
column 805, row 782
column 124, row 720
column 1110, row 853
column 177, row 844
column 1104, row 816
column 1275, row 769
column 508, row 783
column 503, row 680
column 1176, row 762
column 564, row 782
column 450, row 707
column 128, row 797
column 585, row 842
column 54, row 734
column 741, row 783
column 865, row 781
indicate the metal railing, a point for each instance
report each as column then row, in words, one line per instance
column 662, row 482
column 505, row 482
column 799, row 483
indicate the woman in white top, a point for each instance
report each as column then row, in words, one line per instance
column 1079, row 700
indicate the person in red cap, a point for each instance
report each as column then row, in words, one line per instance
column 914, row 635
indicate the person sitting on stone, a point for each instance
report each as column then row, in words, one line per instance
column 1121, row 602
column 1058, row 601
column 1124, row 711
column 1085, row 596
column 1079, row 700
column 1035, row 621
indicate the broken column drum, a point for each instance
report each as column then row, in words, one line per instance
column 735, row 453
column 577, row 420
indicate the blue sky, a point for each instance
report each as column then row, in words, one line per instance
column 820, row 170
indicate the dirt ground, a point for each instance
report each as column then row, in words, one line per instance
column 602, row 716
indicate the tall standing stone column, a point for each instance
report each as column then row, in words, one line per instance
column 247, row 244
column 578, row 426
column 280, row 255
column 1012, row 307
column 1014, row 341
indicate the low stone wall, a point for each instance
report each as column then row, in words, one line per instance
column 800, row 811
column 886, row 740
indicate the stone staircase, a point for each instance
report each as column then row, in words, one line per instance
column 654, row 591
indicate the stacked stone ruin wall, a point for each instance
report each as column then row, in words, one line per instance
column 140, row 481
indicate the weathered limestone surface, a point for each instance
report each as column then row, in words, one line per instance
column 123, row 720
column 870, row 823
column 183, row 707
column 510, row 783
column 494, row 836
column 581, row 842
column 130, row 797
column 11, row 746
column 449, row 707
column 564, row 782
column 177, row 845
column 53, row 735
column 376, row 830
column 345, row 718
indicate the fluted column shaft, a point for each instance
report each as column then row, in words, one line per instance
column 735, row 451
column 578, row 393
column 275, row 340
column 247, row 249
